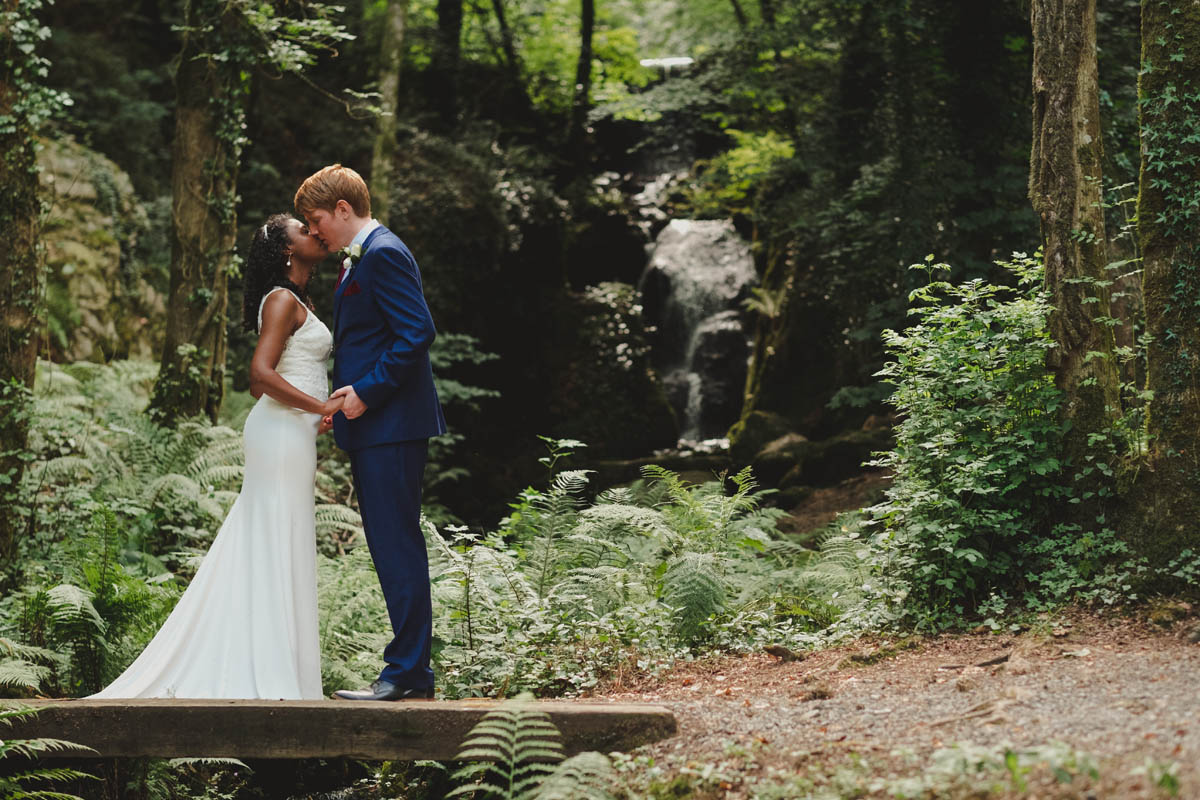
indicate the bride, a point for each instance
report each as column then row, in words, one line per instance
column 246, row 627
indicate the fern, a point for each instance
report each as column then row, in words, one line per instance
column 511, row 746
column 586, row 776
column 24, row 666
column 16, row 785
column 553, row 518
column 338, row 526
column 692, row 586
column 516, row 755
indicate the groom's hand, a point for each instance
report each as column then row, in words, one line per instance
column 352, row 407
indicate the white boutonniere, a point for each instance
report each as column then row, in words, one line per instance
column 351, row 255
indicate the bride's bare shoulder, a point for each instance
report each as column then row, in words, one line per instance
column 282, row 308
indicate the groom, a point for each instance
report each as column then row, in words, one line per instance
column 382, row 332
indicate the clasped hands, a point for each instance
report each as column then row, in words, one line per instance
column 345, row 400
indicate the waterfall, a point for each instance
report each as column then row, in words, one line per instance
column 698, row 274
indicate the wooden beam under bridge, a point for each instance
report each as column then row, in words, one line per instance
column 281, row 729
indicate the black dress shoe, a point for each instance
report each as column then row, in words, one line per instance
column 384, row 690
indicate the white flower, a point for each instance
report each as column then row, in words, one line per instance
column 356, row 251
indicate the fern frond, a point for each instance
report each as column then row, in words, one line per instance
column 586, row 776
column 335, row 517
column 518, row 740
column 65, row 469
column 17, row 673
column 71, row 606
column 693, row 587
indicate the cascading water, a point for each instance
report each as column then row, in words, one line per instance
column 692, row 288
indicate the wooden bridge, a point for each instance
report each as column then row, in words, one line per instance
column 284, row 729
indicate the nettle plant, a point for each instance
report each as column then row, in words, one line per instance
column 976, row 457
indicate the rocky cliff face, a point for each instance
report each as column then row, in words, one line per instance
column 100, row 303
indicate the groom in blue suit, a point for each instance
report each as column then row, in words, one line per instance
column 382, row 331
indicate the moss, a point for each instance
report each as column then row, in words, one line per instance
column 880, row 654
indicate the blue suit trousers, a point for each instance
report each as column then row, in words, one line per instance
column 387, row 479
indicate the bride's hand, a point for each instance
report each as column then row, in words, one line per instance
column 332, row 406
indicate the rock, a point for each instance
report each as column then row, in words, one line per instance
column 780, row 457
column 791, row 497
column 691, row 293
column 753, row 432
column 969, row 680
column 100, row 306
column 839, row 457
column 1166, row 613
column 793, row 477
column 691, row 467
column 783, row 653
column 792, row 460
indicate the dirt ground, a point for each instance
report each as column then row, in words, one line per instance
column 1120, row 689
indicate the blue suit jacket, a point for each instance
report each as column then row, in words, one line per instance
column 382, row 332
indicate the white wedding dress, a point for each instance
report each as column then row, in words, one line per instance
column 246, row 627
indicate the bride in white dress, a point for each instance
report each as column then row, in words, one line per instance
column 246, row 627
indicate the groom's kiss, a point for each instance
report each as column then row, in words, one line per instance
column 382, row 331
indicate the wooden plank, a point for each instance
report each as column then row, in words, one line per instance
column 399, row 731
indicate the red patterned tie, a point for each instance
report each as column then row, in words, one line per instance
column 341, row 272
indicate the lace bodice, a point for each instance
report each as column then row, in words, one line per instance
column 306, row 352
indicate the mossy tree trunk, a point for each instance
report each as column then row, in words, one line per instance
column 447, row 52
column 20, row 286
column 1065, row 189
column 739, row 14
column 205, row 157
column 766, row 10
column 21, row 105
column 583, row 80
column 391, row 56
column 1166, row 513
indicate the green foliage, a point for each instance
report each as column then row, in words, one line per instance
column 976, row 451
column 100, row 614
column 969, row 526
column 515, row 754
column 728, row 182
column 16, row 784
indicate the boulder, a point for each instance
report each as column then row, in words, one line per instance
column 783, row 456
column 792, row 460
column 100, row 304
column 754, row 431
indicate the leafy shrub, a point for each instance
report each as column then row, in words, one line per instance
column 970, row 517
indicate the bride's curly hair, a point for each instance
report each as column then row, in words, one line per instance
column 266, row 268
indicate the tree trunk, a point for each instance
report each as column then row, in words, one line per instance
column 1168, row 499
column 767, row 11
column 391, row 56
column 20, row 275
column 506, row 40
column 583, row 80
column 446, row 55
column 1065, row 189
column 205, row 160
column 739, row 13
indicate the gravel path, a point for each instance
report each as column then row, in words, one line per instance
column 1121, row 690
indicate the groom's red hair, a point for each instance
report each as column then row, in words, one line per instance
column 326, row 186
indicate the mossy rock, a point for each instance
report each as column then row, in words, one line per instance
column 99, row 309
column 792, row 460
column 783, row 456
column 753, row 432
